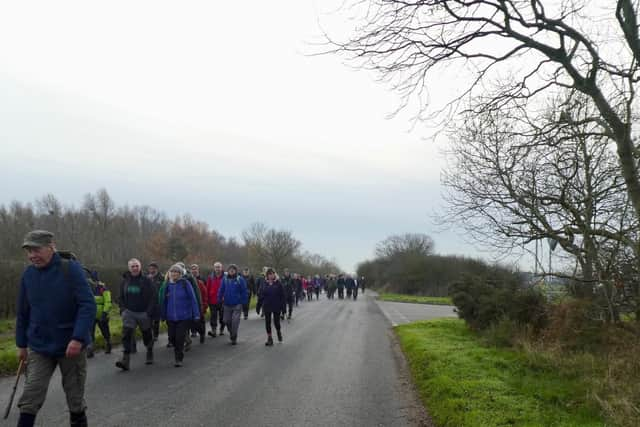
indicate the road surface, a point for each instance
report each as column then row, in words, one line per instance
column 339, row 365
column 400, row 313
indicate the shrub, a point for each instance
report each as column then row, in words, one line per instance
column 483, row 301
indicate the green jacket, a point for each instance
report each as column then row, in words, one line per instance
column 102, row 296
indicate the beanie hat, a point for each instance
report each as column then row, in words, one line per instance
column 177, row 268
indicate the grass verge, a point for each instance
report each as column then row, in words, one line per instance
column 465, row 383
column 415, row 299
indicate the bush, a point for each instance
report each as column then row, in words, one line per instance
column 501, row 333
column 483, row 301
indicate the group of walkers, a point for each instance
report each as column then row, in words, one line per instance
column 60, row 305
column 181, row 298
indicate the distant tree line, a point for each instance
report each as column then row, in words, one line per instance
column 105, row 236
column 407, row 264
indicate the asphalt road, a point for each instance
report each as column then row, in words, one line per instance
column 399, row 313
column 339, row 365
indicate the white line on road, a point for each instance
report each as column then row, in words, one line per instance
column 402, row 317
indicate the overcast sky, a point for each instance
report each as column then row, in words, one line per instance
column 213, row 109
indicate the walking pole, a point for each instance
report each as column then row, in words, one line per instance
column 15, row 387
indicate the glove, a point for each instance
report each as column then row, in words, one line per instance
column 104, row 318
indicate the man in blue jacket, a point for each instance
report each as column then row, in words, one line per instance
column 56, row 310
column 233, row 293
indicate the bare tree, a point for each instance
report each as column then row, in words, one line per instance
column 269, row 246
column 508, row 185
column 409, row 243
column 515, row 52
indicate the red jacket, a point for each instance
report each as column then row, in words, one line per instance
column 204, row 300
column 213, row 286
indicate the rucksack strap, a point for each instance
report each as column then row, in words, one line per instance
column 65, row 268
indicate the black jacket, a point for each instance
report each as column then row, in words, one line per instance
column 288, row 285
column 251, row 284
column 137, row 294
column 271, row 297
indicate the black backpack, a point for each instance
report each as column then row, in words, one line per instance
column 70, row 256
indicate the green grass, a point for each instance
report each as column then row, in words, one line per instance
column 7, row 327
column 465, row 383
column 415, row 299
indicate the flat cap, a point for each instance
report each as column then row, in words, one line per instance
column 37, row 239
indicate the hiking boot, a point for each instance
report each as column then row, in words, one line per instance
column 78, row 419
column 26, row 420
column 269, row 341
column 279, row 336
column 107, row 349
column 123, row 363
column 149, row 360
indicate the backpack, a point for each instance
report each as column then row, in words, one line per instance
column 66, row 257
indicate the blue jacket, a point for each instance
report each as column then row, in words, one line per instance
column 54, row 309
column 233, row 291
column 350, row 283
column 180, row 302
column 272, row 297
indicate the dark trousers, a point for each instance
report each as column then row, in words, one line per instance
column 245, row 307
column 349, row 291
column 128, row 337
column 288, row 306
column 216, row 316
column 267, row 321
column 200, row 326
column 104, row 330
column 355, row 293
column 309, row 294
column 317, row 291
column 155, row 327
column 130, row 321
column 177, row 334
column 297, row 297
column 340, row 293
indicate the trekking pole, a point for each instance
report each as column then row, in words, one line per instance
column 15, row 387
